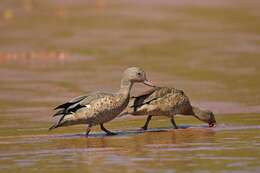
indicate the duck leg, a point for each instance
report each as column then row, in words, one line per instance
column 88, row 130
column 107, row 131
column 173, row 123
column 147, row 122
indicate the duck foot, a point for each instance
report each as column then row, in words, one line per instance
column 147, row 122
column 173, row 123
column 143, row 128
column 88, row 130
column 109, row 133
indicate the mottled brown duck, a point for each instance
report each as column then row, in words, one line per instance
column 166, row 101
column 99, row 107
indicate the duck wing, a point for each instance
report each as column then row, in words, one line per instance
column 151, row 95
column 74, row 104
column 144, row 98
column 158, row 93
column 138, row 101
column 71, row 102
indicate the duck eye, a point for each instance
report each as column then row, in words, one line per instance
column 139, row 74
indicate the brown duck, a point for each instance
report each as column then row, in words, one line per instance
column 99, row 107
column 168, row 102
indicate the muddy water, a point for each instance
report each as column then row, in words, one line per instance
column 51, row 51
column 232, row 146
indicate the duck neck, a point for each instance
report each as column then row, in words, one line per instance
column 200, row 114
column 125, row 87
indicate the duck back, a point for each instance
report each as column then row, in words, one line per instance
column 160, row 101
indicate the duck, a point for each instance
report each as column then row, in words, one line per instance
column 97, row 108
column 166, row 101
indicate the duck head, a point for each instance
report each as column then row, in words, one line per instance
column 137, row 75
column 205, row 116
column 208, row 117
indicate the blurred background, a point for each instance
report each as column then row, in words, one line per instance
column 53, row 50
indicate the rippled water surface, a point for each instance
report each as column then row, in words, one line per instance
column 231, row 146
column 53, row 50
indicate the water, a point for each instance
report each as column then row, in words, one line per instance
column 230, row 147
column 51, row 51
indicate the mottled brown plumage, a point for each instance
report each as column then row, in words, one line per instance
column 167, row 102
column 99, row 107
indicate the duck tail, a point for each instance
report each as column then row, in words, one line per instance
column 60, row 112
column 65, row 120
column 54, row 126
column 58, row 124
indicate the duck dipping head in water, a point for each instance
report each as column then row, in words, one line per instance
column 166, row 101
column 205, row 116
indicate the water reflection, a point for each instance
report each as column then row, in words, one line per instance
column 182, row 149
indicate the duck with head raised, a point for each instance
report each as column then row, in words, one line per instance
column 99, row 107
column 166, row 101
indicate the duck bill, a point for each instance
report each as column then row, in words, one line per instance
column 148, row 83
column 212, row 125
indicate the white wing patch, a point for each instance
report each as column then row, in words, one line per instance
column 88, row 106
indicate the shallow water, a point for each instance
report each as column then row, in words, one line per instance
column 53, row 50
column 232, row 146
